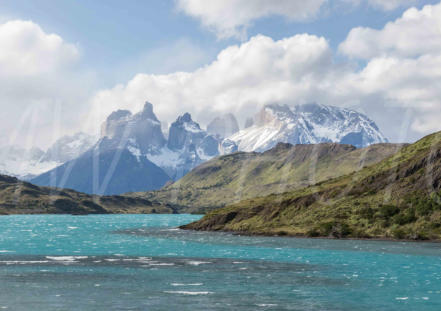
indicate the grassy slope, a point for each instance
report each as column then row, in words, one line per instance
column 396, row 198
column 17, row 197
column 240, row 176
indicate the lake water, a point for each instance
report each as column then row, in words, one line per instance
column 141, row 262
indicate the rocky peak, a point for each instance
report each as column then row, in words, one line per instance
column 115, row 122
column 141, row 130
column 185, row 118
column 147, row 112
column 119, row 115
column 273, row 113
column 183, row 132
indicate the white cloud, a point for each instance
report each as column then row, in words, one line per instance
column 242, row 77
column 230, row 18
column 25, row 50
column 403, row 64
column 417, row 32
column 39, row 87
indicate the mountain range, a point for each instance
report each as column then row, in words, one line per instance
column 133, row 154
column 307, row 124
column 28, row 163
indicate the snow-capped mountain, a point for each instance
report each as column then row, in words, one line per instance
column 191, row 144
column 20, row 162
column 27, row 163
column 69, row 147
column 187, row 144
column 133, row 155
column 307, row 124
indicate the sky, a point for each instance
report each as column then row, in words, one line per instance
column 65, row 65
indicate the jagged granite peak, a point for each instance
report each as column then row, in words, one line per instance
column 135, row 156
column 115, row 123
column 223, row 126
column 141, row 130
column 307, row 124
column 147, row 112
column 183, row 132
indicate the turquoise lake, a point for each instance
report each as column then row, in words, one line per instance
column 142, row 262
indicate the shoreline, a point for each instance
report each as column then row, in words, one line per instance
column 376, row 239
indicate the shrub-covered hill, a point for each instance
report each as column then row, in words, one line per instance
column 18, row 197
column 235, row 177
column 399, row 197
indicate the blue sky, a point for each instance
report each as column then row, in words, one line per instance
column 114, row 33
column 118, row 40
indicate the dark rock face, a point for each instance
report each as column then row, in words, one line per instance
column 223, row 126
column 184, row 132
column 194, row 144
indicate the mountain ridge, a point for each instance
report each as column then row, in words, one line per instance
column 398, row 198
column 230, row 178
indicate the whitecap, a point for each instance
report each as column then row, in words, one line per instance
column 402, row 298
column 197, row 263
column 22, row 262
column 182, row 292
column 66, row 258
column 188, row 284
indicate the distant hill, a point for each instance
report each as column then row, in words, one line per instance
column 231, row 178
column 399, row 197
column 18, row 197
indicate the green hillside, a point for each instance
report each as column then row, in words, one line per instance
column 235, row 177
column 398, row 197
